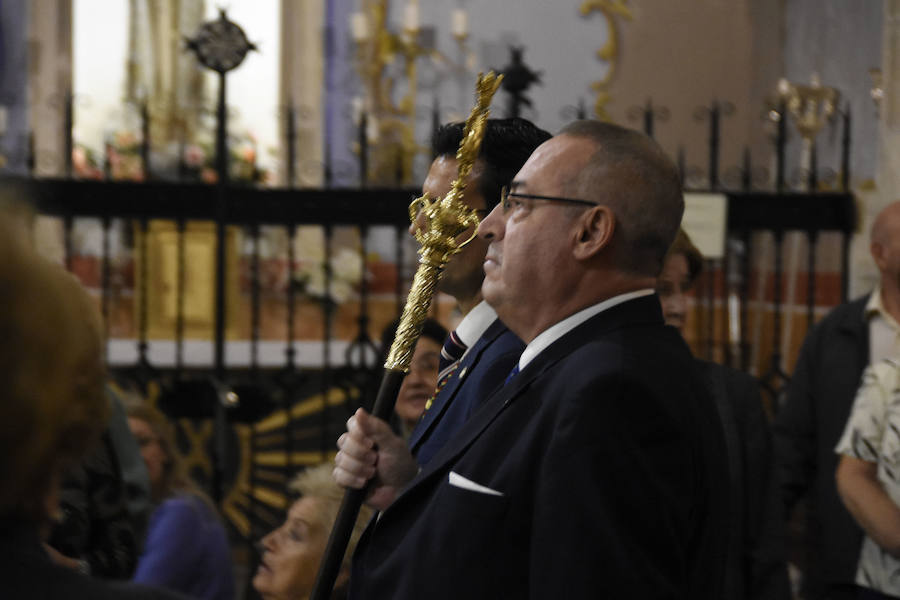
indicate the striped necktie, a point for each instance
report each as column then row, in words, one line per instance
column 451, row 353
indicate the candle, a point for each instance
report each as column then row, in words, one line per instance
column 459, row 23
column 356, row 108
column 784, row 87
column 411, row 17
column 359, row 27
column 372, row 130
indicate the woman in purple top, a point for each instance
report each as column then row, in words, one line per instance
column 186, row 548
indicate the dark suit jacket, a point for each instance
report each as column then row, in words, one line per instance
column 609, row 459
column 808, row 428
column 756, row 567
column 26, row 573
column 481, row 371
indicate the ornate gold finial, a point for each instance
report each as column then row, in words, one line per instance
column 445, row 220
column 609, row 53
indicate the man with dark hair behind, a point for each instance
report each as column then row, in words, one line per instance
column 598, row 469
column 476, row 356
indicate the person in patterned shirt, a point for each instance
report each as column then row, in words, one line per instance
column 868, row 477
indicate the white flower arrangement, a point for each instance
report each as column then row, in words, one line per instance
column 345, row 265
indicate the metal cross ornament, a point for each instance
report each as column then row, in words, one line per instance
column 220, row 45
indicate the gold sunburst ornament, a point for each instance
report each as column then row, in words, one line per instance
column 445, row 220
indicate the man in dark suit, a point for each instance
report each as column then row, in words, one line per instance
column 480, row 352
column 598, row 469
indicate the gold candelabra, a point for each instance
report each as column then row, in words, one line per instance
column 811, row 105
column 391, row 123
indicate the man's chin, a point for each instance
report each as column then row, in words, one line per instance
column 260, row 580
column 491, row 293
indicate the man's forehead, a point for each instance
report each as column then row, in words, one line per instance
column 447, row 167
column 443, row 173
column 559, row 158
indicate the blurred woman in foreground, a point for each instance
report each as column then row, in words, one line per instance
column 52, row 410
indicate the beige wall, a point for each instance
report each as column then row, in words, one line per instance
column 683, row 55
column 49, row 80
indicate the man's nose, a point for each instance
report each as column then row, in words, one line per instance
column 491, row 227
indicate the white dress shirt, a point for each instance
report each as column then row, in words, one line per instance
column 553, row 333
column 475, row 323
column 884, row 331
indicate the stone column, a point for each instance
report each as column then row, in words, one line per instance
column 49, row 80
column 302, row 77
column 863, row 273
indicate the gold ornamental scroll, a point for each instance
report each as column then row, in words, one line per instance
column 445, row 220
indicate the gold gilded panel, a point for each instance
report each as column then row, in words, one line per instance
column 162, row 264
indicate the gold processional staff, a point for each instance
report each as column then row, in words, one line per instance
column 446, row 219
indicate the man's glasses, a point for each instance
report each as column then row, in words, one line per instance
column 507, row 197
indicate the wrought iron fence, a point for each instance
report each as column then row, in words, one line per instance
column 277, row 402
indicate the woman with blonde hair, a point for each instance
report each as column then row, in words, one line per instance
column 186, row 548
column 292, row 552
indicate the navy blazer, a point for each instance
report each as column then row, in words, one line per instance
column 597, row 472
column 483, row 369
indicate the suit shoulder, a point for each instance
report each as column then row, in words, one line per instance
column 848, row 313
column 497, row 334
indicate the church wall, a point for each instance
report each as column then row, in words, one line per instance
column 14, row 84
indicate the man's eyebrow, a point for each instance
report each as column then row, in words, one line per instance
column 516, row 183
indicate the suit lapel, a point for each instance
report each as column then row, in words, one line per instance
column 855, row 325
column 640, row 310
column 444, row 397
column 470, row 432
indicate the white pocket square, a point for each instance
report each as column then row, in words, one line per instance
column 459, row 481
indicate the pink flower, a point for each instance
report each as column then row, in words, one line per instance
column 194, row 156
column 209, row 175
column 79, row 158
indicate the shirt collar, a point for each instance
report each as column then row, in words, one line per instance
column 875, row 307
column 553, row 333
column 475, row 323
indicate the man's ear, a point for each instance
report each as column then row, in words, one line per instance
column 877, row 250
column 594, row 232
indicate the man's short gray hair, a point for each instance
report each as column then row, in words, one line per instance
column 632, row 175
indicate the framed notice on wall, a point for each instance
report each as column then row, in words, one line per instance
column 705, row 221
